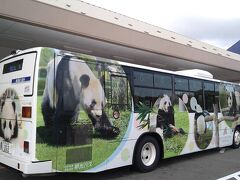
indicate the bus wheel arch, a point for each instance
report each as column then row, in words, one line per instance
column 236, row 137
column 148, row 151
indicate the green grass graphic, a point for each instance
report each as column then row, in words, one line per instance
column 101, row 148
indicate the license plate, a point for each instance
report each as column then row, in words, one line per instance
column 6, row 147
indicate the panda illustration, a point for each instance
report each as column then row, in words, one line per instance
column 231, row 112
column 165, row 111
column 199, row 116
column 8, row 120
column 237, row 97
column 201, row 125
column 231, row 100
column 165, row 118
column 76, row 87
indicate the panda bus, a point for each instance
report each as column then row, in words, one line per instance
column 70, row 112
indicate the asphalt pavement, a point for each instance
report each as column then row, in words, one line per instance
column 207, row 165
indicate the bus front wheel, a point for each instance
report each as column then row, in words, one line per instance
column 236, row 138
column 147, row 154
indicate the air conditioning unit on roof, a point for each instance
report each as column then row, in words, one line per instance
column 196, row 73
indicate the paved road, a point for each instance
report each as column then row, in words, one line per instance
column 207, row 165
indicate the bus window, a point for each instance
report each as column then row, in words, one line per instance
column 143, row 79
column 145, row 92
column 149, row 96
column 162, row 81
column 217, row 95
column 196, row 90
column 181, row 84
column 143, row 95
column 209, row 96
column 13, row 66
column 195, row 85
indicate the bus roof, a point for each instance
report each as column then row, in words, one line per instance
column 120, row 63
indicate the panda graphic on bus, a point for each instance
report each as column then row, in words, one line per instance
column 76, row 88
column 9, row 115
column 78, row 101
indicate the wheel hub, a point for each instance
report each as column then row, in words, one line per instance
column 148, row 154
column 237, row 137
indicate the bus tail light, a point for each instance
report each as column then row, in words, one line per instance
column 26, row 146
column 27, row 112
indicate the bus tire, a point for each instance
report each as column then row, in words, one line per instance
column 236, row 138
column 147, row 154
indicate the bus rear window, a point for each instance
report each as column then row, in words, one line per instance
column 13, row 66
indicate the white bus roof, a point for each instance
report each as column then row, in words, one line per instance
column 180, row 73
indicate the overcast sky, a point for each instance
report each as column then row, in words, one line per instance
column 216, row 22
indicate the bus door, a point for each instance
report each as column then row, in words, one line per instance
column 17, row 107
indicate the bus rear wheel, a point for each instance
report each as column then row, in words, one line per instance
column 236, row 138
column 147, row 154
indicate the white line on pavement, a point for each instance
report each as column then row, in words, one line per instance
column 234, row 175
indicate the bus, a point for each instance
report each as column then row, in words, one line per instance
column 62, row 111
